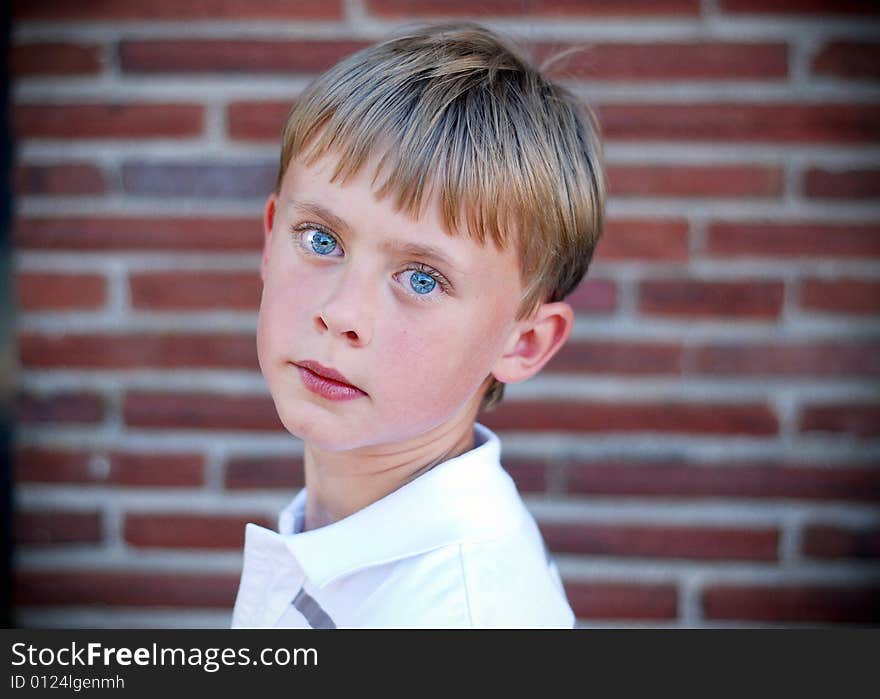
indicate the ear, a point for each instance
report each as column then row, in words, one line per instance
column 534, row 341
column 268, row 224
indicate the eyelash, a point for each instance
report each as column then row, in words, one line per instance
column 298, row 231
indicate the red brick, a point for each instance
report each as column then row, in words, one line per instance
column 786, row 240
column 63, row 180
column 46, row 291
column 196, row 289
column 529, row 476
column 663, row 417
column 770, row 480
column 711, row 299
column 129, row 589
column 73, row 407
column 841, row 296
column 695, row 181
column 622, row 600
column 175, row 530
column 848, row 59
column 844, row 184
column 594, row 296
column 830, row 541
column 123, row 233
column 617, row 358
column 825, row 359
column 69, row 121
column 644, row 239
column 717, row 61
column 801, row 603
column 103, row 351
column 41, row 465
column 801, row 7
column 242, row 56
column 277, row 473
column 200, row 411
column 257, row 121
column 54, row 58
column 418, row 8
column 663, row 541
column 203, row 180
column 858, row 420
column 57, row 527
column 170, row 9
column 736, row 121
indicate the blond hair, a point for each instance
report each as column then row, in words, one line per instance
column 456, row 107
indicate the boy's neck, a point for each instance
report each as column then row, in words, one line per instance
column 341, row 483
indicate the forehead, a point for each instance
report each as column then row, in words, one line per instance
column 354, row 207
column 312, row 183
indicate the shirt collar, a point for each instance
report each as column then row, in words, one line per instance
column 466, row 498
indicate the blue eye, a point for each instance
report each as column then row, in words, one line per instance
column 322, row 243
column 422, row 283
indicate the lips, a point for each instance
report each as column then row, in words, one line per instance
column 327, row 373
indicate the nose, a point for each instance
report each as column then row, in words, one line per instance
column 346, row 311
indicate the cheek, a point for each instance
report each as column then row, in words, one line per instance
column 444, row 360
column 266, row 332
column 281, row 314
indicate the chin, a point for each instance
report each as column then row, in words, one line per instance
column 317, row 427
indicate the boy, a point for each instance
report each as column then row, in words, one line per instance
column 437, row 198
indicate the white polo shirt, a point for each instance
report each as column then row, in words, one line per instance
column 455, row 547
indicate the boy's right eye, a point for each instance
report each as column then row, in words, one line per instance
column 321, row 242
column 316, row 240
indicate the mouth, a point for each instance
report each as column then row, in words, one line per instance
column 327, row 373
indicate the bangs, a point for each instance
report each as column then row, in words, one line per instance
column 448, row 129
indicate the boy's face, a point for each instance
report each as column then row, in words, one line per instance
column 345, row 293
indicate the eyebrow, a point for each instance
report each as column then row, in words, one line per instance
column 315, row 209
column 401, row 247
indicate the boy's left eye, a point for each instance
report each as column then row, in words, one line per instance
column 424, row 282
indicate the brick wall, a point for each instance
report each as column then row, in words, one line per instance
column 702, row 453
